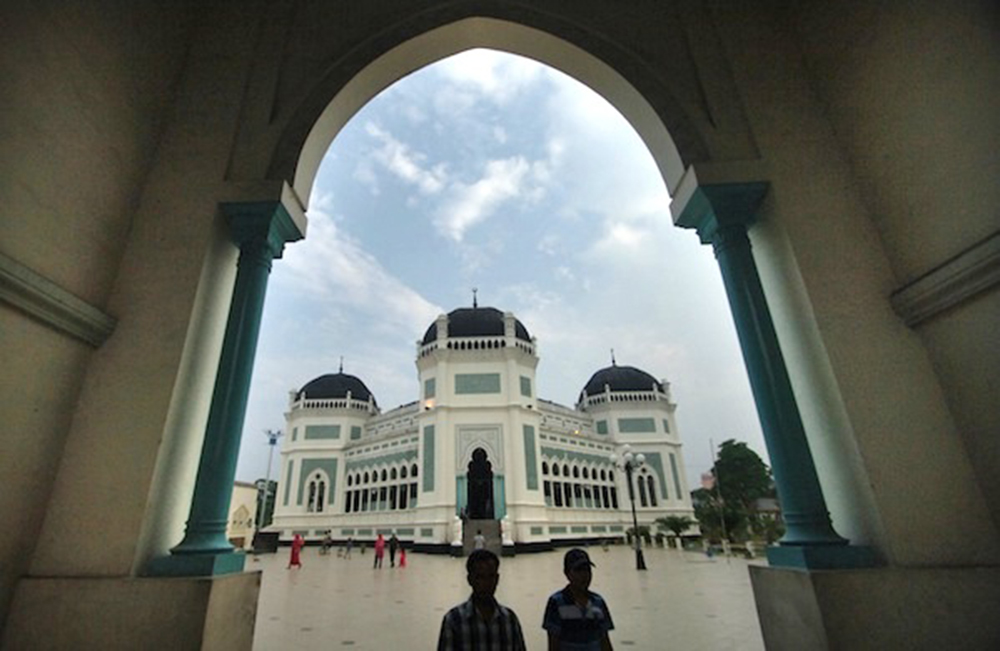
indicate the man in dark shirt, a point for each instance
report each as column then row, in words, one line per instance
column 577, row 619
column 481, row 623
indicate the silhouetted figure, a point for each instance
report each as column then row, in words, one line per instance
column 480, row 480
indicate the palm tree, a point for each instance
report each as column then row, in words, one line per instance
column 677, row 524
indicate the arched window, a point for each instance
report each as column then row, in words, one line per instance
column 392, row 474
column 317, row 493
column 383, row 474
column 604, row 475
column 576, row 472
column 545, row 468
column 349, row 480
column 413, row 470
column 366, row 476
column 652, row 490
column 642, row 490
column 565, row 470
column 402, row 472
column 555, row 469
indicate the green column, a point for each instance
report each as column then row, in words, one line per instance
column 260, row 229
column 721, row 215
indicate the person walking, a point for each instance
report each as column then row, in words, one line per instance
column 379, row 552
column 393, row 546
column 481, row 622
column 479, row 540
column 577, row 619
column 402, row 556
column 296, row 556
column 349, row 547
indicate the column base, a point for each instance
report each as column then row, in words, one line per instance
column 196, row 564
column 883, row 608
column 125, row 613
column 822, row 557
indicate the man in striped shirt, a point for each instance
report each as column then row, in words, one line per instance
column 481, row 624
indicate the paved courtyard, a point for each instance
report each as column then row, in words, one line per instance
column 684, row 601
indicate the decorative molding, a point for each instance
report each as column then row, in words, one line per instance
column 51, row 304
column 471, row 437
column 969, row 273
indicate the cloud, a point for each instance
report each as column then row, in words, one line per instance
column 398, row 158
column 470, row 204
column 495, row 76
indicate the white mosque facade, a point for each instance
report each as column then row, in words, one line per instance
column 355, row 471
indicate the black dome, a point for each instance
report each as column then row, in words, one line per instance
column 335, row 385
column 621, row 378
column 476, row 322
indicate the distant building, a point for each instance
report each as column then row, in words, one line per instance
column 242, row 513
column 478, row 443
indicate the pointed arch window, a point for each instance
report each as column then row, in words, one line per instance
column 651, row 485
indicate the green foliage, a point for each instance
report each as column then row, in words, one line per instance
column 741, row 479
column 677, row 524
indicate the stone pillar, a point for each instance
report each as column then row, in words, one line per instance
column 721, row 214
column 260, row 229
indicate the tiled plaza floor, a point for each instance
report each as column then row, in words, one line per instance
column 683, row 601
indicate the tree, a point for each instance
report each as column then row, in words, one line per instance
column 677, row 524
column 741, row 478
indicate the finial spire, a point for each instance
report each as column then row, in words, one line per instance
column 613, row 362
column 475, row 303
column 341, row 363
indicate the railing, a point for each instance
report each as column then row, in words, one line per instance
column 335, row 403
column 476, row 343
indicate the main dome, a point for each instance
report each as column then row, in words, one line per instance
column 476, row 322
column 335, row 385
column 621, row 378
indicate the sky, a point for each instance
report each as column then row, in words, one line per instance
column 491, row 171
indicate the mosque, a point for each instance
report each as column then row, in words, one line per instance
column 479, row 445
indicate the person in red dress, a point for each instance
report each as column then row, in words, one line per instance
column 296, row 558
column 379, row 551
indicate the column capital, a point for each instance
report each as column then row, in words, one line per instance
column 709, row 207
column 262, row 221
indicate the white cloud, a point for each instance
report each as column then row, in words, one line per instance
column 496, row 76
column 502, row 180
column 398, row 158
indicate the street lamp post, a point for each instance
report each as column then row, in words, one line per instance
column 630, row 463
column 272, row 439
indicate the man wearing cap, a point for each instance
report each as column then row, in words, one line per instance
column 481, row 623
column 576, row 618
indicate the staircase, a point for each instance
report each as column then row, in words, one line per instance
column 491, row 531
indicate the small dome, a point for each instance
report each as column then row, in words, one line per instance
column 476, row 322
column 335, row 385
column 621, row 378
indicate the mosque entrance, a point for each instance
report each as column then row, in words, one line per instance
column 480, row 487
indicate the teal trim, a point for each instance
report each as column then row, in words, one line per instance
column 636, row 425
column 288, row 481
column 677, row 481
column 426, row 533
column 666, row 425
column 364, row 532
column 384, row 532
column 557, row 529
column 467, row 383
column 599, row 528
column 428, row 458
column 404, row 532
column 655, row 461
column 616, row 528
column 537, row 531
column 383, row 459
column 322, row 432
column 430, row 387
column 526, row 386
column 461, row 494
column 329, row 466
column 573, row 455
column 300, row 532
column 530, row 459
column 602, row 427
column 355, row 432
column 499, row 499
column 295, row 433
column 347, row 532
column 578, row 529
